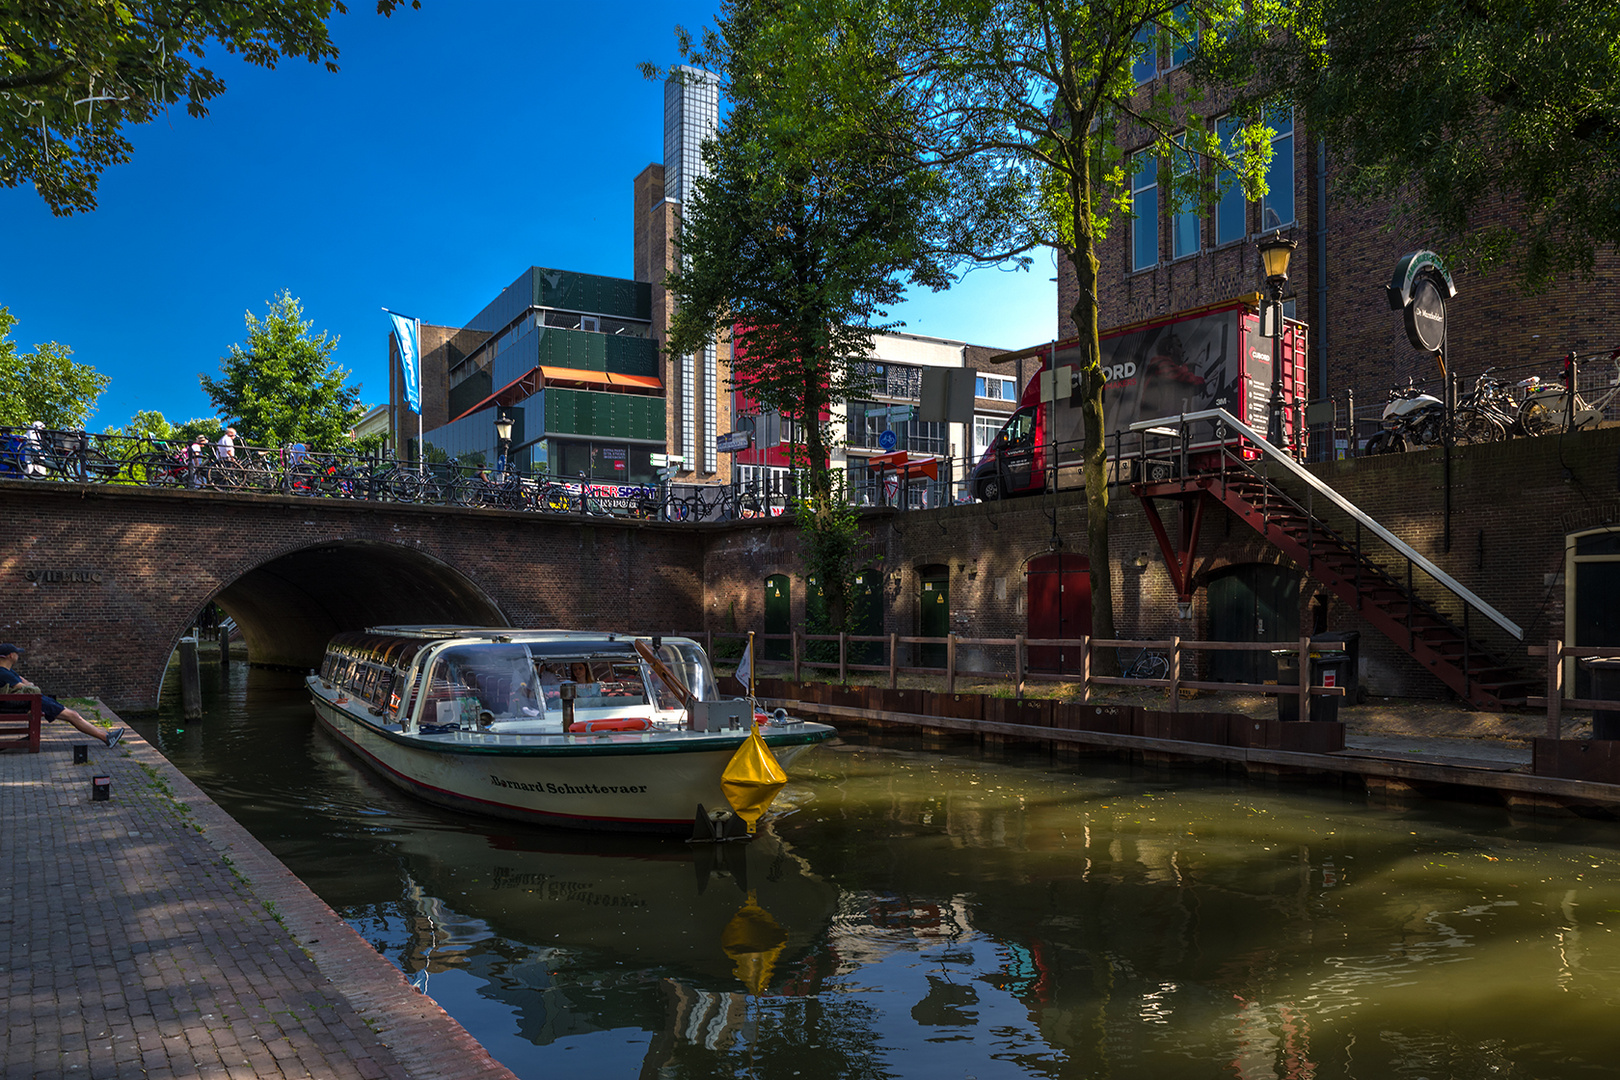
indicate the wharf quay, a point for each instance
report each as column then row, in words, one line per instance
column 1402, row 749
column 149, row 935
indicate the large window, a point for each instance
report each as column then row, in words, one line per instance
column 1183, row 36
column 1231, row 210
column 1277, row 208
column 995, row 388
column 1145, row 207
column 1147, row 64
column 984, row 433
column 1184, row 222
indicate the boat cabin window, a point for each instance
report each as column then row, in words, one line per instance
column 691, row 665
column 598, row 683
column 467, row 682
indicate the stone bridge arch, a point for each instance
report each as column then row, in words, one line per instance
column 102, row 581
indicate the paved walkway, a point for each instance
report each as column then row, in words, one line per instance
column 151, row 936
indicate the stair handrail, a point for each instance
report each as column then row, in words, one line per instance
column 1294, row 469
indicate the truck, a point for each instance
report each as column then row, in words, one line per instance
column 1204, row 358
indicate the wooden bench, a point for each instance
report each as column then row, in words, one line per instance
column 20, row 716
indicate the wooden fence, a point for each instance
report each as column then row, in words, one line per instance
column 1555, row 702
column 1176, row 648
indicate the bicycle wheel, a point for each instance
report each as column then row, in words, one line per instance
column 159, row 470
column 1152, row 666
column 1535, row 418
column 1474, row 426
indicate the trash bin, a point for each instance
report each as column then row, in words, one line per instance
column 1327, row 669
column 1349, row 643
column 1605, row 687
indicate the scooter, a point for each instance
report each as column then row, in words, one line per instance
column 1410, row 419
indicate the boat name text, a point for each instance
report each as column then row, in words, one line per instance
column 571, row 789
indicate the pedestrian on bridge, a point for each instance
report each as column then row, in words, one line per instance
column 53, row 709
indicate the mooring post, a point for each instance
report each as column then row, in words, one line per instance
column 1304, row 678
column 1085, row 668
column 894, row 661
column 843, row 658
column 1555, row 688
column 190, row 679
column 950, row 663
column 1175, row 674
column 1018, row 662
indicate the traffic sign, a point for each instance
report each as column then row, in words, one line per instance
column 659, row 459
column 888, row 440
column 900, row 414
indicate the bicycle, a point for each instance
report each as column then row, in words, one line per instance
column 1548, row 406
column 69, row 455
column 1148, row 665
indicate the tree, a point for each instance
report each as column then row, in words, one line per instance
column 811, row 222
column 1025, row 108
column 283, row 386
column 74, row 75
column 1455, row 111
column 45, row 385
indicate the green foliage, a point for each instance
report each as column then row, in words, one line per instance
column 830, row 539
column 45, row 385
column 814, row 217
column 283, row 386
column 1454, row 111
column 74, row 75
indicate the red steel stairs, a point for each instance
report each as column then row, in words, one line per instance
column 1394, row 607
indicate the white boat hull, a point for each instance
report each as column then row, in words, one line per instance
column 633, row 781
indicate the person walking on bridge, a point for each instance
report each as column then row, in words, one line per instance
column 9, row 655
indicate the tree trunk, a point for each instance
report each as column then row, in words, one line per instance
column 1094, row 449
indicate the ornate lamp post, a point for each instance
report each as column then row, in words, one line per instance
column 1274, row 254
column 503, row 440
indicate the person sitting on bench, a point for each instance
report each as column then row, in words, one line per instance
column 52, row 709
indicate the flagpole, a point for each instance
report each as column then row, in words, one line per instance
column 751, row 666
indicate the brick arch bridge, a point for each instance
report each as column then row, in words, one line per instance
column 103, row 581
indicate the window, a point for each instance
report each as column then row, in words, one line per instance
column 1277, row 208
column 1232, row 209
column 1184, row 223
column 1145, row 207
column 1183, row 36
column 995, row 388
column 1147, row 63
column 984, row 432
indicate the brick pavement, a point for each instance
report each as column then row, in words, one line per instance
column 151, row 936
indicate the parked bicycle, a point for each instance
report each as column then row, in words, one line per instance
column 1550, row 406
column 1148, row 665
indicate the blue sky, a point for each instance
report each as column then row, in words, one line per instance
column 457, row 146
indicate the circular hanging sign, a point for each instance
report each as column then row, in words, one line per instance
column 888, row 440
column 1426, row 315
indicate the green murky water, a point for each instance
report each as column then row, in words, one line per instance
column 928, row 913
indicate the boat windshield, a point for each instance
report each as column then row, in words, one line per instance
column 481, row 682
column 598, row 683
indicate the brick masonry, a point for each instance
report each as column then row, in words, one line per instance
column 105, row 580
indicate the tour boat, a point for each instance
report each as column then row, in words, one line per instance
column 558, row 727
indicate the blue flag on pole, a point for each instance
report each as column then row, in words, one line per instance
column 408, row 332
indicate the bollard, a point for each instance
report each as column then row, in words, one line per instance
column 100, row 788
column 190, row 679
column 81, row 753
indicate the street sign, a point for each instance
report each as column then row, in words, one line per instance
column 888, row 441
column 733, row 441
column 900, row 414
column 659, row 459
column 667, row 472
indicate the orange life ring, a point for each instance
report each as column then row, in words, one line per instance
column 628, row 723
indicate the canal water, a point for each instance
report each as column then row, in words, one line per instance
column 949, row 913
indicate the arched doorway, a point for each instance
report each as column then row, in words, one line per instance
column 778, row 617
column 1256, row 602
column 1591, row 584
column 933, row 611
column 1059, row 591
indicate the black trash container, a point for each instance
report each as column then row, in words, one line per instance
column 1349, row 643
column 1605, row 687
column 1327, row 669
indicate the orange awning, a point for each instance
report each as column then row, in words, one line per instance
column 600, row 378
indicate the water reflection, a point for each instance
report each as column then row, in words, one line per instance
column 923, row 914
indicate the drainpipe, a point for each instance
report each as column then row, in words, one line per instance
column 1319, row 334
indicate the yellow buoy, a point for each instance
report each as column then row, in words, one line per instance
column 753, row 941
column 751, row 779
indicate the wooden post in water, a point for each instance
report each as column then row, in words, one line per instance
column 894, row 661
column 843, row 658
column 224, row 649
column 190, row 679
column 797, row 676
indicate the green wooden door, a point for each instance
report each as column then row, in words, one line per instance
column 1251, row 603
column 778, row 617
column 933, row 612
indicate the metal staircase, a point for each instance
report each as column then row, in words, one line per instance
column 1417, row 606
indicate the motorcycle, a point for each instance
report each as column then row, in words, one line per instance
column 1410, row 419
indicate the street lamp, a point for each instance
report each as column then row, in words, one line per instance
column 503, row 440
column 1274, row 254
